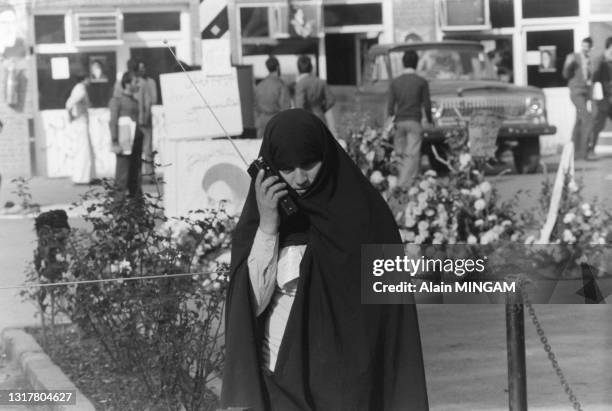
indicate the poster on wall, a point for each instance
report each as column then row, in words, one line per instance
column 60, row 68
column 548, row 59
column 303, row 19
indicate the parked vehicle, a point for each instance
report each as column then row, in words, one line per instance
column 460, row 84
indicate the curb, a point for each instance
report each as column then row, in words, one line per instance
column 38, row 368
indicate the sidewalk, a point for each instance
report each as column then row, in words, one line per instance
column 50, row 193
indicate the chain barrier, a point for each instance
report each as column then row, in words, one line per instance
column 548, row 349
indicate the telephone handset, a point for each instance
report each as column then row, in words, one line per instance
column 286, row 204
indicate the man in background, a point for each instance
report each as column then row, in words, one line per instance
column 408, row 95
column 147, row 98
column 271, row 96
column 577, row 70
column 602, row 94
column 311, row 93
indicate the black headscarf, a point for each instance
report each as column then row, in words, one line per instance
column 336, row 354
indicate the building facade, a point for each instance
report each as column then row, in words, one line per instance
column 337, row 34
column 58, row 39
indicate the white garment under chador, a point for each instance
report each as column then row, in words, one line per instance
column 274, row 279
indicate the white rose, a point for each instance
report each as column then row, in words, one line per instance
column 586, row 210
column 472, row 239
column 423, row 226
column 370, row 156
column 569, row 217
column 392, row 180
column 424, row 184
column 572, row 187
column 480, row 204
column 465, row 191
column 478, row 222
column 429, row 212
column 422, row 198
column 409, row 221
column 125, row 265
column 476, row 192
column 568, row 237
column 464, row 160
column 376, row 177
column 413, row 191
column 438, row 238
column 492, row 217
column 431, row 173
column 485, row 186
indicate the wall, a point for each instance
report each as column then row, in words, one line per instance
column 16, row 67
column 414, row 16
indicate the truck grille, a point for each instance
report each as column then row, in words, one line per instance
column 508, row 106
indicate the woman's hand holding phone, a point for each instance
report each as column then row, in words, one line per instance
column 268, row 191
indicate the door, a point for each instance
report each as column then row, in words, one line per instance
column 157, row 60
column 545, row 50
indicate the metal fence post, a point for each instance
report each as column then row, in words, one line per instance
column 515, row 340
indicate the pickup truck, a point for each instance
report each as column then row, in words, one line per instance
column 459, row 85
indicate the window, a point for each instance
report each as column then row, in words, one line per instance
column 352, row 14
column 254, row 22
column 49, row 29
column 456, row 16
column 549, row 8
column 560, row 42
column 52, row 93
column 502, row 13
column 168, row 21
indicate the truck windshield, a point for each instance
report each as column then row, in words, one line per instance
column 441, row 64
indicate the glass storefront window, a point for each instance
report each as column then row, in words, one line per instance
column 53, row 93
column 337, row 15
column 49, row 29
column 549, row 8
column 254, row 22
column 168, row 21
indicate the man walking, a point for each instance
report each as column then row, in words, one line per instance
column 408, row 95
column 602, row 93
column 271, row 96
column 577, row 70
column 311, row 93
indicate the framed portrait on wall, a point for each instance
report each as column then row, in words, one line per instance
column 548, row 59
column 98, row 69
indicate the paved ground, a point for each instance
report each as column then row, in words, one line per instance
column 464, row 346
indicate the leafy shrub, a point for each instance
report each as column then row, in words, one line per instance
column 168, row 329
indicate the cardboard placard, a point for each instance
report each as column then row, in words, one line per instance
column 188, row 114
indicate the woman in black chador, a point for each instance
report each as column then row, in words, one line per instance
column 297, row 335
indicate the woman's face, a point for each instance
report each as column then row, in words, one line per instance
column 302, row 177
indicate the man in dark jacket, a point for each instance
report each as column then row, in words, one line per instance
column 271, row 96
column 408, row 96
column 603, row 105
column 311, row 93
column 577, row 70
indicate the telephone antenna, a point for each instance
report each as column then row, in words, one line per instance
column 206, row 104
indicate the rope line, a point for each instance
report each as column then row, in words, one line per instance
column 105, row 280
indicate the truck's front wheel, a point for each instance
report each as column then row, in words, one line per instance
column 527, row 155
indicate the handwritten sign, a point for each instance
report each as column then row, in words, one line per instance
column 190, row 116
column 483, row 128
